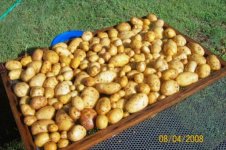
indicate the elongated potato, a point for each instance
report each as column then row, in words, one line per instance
column 21, row 89
column 13, row 64
column 184, row 49
column 46, row 112
column 105, row 76
column 190, row 66
column 197, row 58
column 130, row 88
column 119, row 60
column 62, row 51
column 196, row 48
column 169, row 87
column 77, row 133
column 37, row 80
column 56, row 68
column 41, row 139
column 90, row 96
column 25, row 60
column 203, row 70
column 108, row 88
column 169, row 74
column 40, row 126
column 36, row 65
column 187, row 78
column 214, row 62
column 136, row 103
column 63, row 120
column 37, row 54
column 154, row 82
column 77, row 102
column 101, row 121
column 115, row 115
column 103, row 106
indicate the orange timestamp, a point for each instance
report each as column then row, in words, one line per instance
column 181, row 138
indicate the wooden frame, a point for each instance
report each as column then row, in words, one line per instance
column 125, row 123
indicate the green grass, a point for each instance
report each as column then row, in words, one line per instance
column 34, row 23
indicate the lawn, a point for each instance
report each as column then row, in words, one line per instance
column 34, row 23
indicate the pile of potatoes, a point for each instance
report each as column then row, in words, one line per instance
column 97, row 80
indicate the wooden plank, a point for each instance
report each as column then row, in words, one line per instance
column 125, row 123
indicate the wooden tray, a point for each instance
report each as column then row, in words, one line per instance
column 125, row 123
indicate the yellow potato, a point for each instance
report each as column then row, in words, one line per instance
column 26, row 60
column 27, row 74
column 101, row 121
column 184, row 49
column 108, row 88
column 180, row 40
column 36, row 91
column 161, row 64
column 169, row 87
column 15, row 74
column 50, row 146
column 50, row 82
column 24, row 100
column 197, row 58
column 62, row 143
column 56, row 68
column 37, row 80
column 190, row 66
column 21, row 89
column 90, row 96
column 75, row 62
column 119, row 60
column 46, row 67
column 103, row 106
column 65, row 98
column 37, row 55
column 87, row 36
column 123, row 27
column 72, row 46
column 46, row 112
column 40, row 126
column 169, row 74
column 154, row 82
column 115, row 115
column 130, row 88
column 29, row 120
column 105, row 76
column 63, row 120
column 41, row 139
column 152, row 97
column 13, row 64
column 76, row 133
column 170, row 48
column 27, row 110
column 187, row 78
column 214, row 62
column 51, row 56
column 203, row 70
column 38, row 102
column 55, row 136
column 36, row 65
column 52, row 128
column 169, row 33
column 136, row 103
column 176, row 64
column 62, row 88
column 149, row 36
column 196, row 48
column 77, row 102
column 49, row 92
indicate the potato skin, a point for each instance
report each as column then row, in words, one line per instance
column 15, row 74
column 115, row 115
column 203, row 70
column 119, row 60
column 41, row 139
column 196, row 48
column 154, row 82
column 62, row 88
column 13, row 64
column 108, row 88
column 103, row 106
column 214, row 62
column 50, row 82
column 105, row 76
column 37, row 91
column 169, row 87
column 29, row 120
column 27, row 74
column 50, row 146
column 63, row 120
column 191, row 66
column 136, row 103
column 51, row 56
column 40, row 126
column 37, row 55
column 38, row 102
column 169, row 74
column 90, row 96
column 27, row 110
column 76, row 133
column 170, row 48
column 37, row 80
column 46, row 112
column 21, row 89
column 36, row 65
column 199, row 59
column 87, row 118
column 176, row 64
column 101, row 122
column 187, row 78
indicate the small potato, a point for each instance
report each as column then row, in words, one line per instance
column 73, row 45
column 136, row 103
column 152, row 97
column 169, row 87
column 184, row 49
column 152, row 17
column 103, row 106
column 161, row 64
column 75, row 62
column 74, row 113
column 87, row 36
column 77, row 102
column 190, row 66
column 56, row 68
column 123, row 27
column 21, row 89
column 27, row 74
column 13, row 64
column 37, row 80
column 180, row 40
column 154, row 82
column 115, row 115
column 176, row 64
column 15, row 74
column 159, row 23
column 40, row 126
column 136, row 21
column 29, row 120
column 203, row 70
column 105, row 76
column 25, row 60
column 213, row 62
column 50, row 82
column 169, row 74
column 120, row 104
column 186, row 78
column 38, row 102
column 46, row 67
column 155, row 48
column 27, row 110
column 112, row 33
column 50, row 146
column 196, row 48
column 62, row 143
column 49, row 92
column 54, row 136
column 126, row 35
column 36, row 91
column 89, row 81
column 37, row 54
column 143, row 88
column 130, row 88
column 169, row 33
column 62, row 88
column 51, row 56
column 63, row 120
column 158, row 32
column 46, row 112
column 149, row 36
column 41, row 139
column 136, row 44
column 52, row 128
column 87, row 118
column 90, row 96
column 36, row 65
column 24, row 100
column 101, row 121
column 65, row 59
column 119, row 60
column 108, row 88
column 197, row 58
column 170, row 48
column 77, row 133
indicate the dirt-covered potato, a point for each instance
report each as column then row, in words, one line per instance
column 187, row 78
column 101, row 121
column 136, row 103
column 40, row 126
column 21, row 89
column 213, row 62
column 103, row 106
column 76, row 133
column 87, row 118
column 46, row 112
column 13, row 64
column 51, row 56
column 115, row 115
column 169, row 74
column 90, row 96
column 169, row 87
column 108, row 88
column 63, row 120
column 38, row 102
column 41, row 139
column 203, row 70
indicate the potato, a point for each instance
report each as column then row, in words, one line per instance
column 136, row 21
column 136, row 44
column 56, row 68
column 25, row 60
column 159, row 23
column 38, row 102
column 115, row 115
column 75, row 62
column 119, row 60
column 176, row 64
column 79, row 77
column 87, row 36
column 24, row 100
column 40, row 126
column 126, row 35
column 149, row 36
column 158, row 32
column 106, row 76
column 155, row 48
column 123, row 27
column 169, row 33
column 136, row 103
column 169, row 74
column 180, row 40
column 21, row 89
column 46, row 112
column 50, row 56
column 169, row 87
column 87, row 118
column 46, row 67
column 29, row 120
column 196, row 48
column 77, row 102
column 50, row 82
column 108, row 88
column 130, row 88
column 103, row 106
column 143, row 88
column 37, row 80
column 190, row 66
column 154, row 82
column 62, row 51
column 197, row 58
column 55, row 136
column 213, row 62
column 203, row 70
column 27, row 110
column 76, row 133
column 27, row 74
column 15, row 74
column 72, row 46
column 49, row 92
column 184, row 49
column 36, row 65
column 63, row 120
column 50, row 146
column 152, row 17
column 62, row 143
column 101, row 121
column 161, row 64
column 36, row 91
column 180, row 56
column 186, row 78
column 68, row 75
column 37, row 54
column 13, row 64
column 74, row 113
column 152, row 97
column 170, row 48
column 52, row 128
column 62, row 88
column 41, row 139
column 90, row 96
